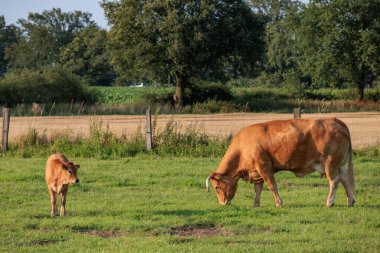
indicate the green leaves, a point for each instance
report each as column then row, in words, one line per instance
column 190, row 38
column 44, row 36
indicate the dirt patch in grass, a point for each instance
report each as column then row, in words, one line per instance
column 199, row 231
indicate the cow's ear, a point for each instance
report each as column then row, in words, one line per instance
column 217, row 176
column 77, row 166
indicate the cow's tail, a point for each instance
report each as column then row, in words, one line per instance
column 351, row 178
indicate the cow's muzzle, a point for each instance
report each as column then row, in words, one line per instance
column 226, row 203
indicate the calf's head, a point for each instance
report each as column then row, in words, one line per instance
column 69, row 173
column 225, row 187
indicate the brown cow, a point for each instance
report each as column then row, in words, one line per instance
column 59, row 174
column 298, row 145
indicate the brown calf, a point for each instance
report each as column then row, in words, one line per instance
column 59, row 174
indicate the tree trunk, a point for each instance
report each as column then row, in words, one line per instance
column 361, row 91
column 181, row 82
column 362, row 82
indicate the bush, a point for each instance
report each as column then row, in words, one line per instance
column 203, row 91
column 51, row 84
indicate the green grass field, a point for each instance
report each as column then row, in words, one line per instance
column 154, row 204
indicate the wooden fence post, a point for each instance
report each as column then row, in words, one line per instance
column 148, row 130
column 6, row 120
column 297, row 113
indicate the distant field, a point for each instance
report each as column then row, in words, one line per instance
column 364, row 126
column 155, row 204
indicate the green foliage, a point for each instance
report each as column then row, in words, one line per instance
column 339, row 41
column 204, row 91
column 192, row 141
column 149, row 204
column 100, row 143
column 8, row 36
column 86, row 56
column 125, row 95
column 257, row 98
column 52, row 84
column 160, row 38
column 44, row 36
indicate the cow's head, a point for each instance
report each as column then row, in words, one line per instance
column 69, row 173
column 225, row 187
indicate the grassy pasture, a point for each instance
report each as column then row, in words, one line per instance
column 154, row 204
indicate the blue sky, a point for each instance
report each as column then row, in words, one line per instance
column 13, row 10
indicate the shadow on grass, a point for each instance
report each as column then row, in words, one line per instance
column 185, row 212
column 42, row 242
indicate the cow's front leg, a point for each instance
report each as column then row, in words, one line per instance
column 268, row 177
column 53, row 200
column 63, row 201
column 258, row 189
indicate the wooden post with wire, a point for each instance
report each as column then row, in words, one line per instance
column 5, row 132
column 148, row 130
column 297, row 113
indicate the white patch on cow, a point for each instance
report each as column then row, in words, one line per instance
column 318, row 167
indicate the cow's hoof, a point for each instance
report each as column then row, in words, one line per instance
column 279, row 204
column 351, row 204
column 330, row 205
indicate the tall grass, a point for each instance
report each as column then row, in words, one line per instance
column 101, row 143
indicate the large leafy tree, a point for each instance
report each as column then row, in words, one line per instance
column 182, row 38
column 8, row 37
column 44, row 36
column 280, row 17
column 340, row 41
column 86, row 56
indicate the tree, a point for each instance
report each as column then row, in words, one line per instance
column 182, row 38
column 280, row 16
column 44, row 35
column 340, row 41
column 86, row 56
column 8, row 36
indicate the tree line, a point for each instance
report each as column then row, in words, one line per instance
column 324, row 43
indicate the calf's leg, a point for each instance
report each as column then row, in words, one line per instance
column 53, row 200
column 63, row 201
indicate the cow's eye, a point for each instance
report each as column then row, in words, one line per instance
column 70, row 172
column 216, row 187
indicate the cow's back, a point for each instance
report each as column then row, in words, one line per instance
column 293, row 144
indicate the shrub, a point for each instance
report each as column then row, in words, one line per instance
column 51, row 84
column 203, row 91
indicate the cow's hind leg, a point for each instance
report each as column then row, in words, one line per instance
column 332, row 175
column 258, row 189
column 53, row 200
column 347, row 187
